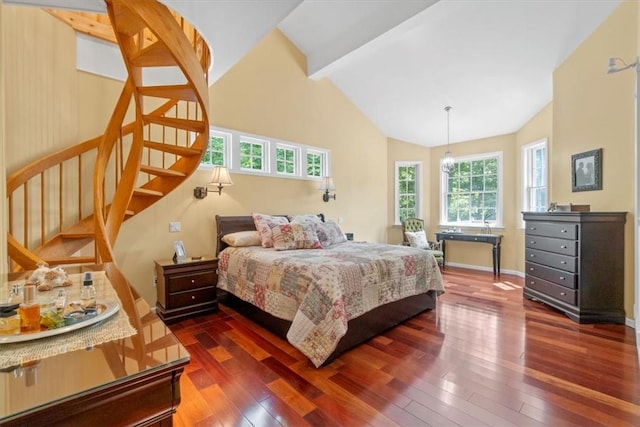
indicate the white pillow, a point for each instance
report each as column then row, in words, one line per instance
column 242, row 238
column 417, row 239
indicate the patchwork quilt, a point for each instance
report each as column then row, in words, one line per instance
column 320, row 290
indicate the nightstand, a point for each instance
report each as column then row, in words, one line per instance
column 186, row 288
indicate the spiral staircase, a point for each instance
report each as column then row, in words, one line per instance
column 68, row 207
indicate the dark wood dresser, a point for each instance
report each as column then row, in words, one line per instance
column 186, row 288
column 575, row 263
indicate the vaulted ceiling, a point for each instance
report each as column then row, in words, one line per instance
column 402, row 61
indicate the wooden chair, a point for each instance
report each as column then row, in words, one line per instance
column 416, row 225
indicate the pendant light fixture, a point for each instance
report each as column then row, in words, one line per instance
column 448, row 163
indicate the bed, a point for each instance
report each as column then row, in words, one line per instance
column 325, row 301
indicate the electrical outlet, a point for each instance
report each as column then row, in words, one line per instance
column 174, row 227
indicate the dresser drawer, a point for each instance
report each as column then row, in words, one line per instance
column 189, row 298
column 551, row 229
column 563, row 262
column 179, row 283
column 560, row 246
column 555, row 291
column 563, row 278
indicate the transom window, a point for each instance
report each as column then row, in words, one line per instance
column 260, row 155
column 252, row 154
column 408, row 176
column 471, row 194
column 286, row 159
column 534, row 179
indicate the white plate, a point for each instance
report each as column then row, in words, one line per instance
column 112, row 308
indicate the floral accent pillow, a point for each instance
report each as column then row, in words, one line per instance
column 307, row 219
column 264, row 224
column 329, row 233
column 417, row 239
column 242, row 238
column 294, row 236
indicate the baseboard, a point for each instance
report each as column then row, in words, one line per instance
column 483, row 268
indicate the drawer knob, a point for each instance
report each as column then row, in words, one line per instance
column 531, row 268
column 563, row 262
column 563, row 293
column 563, row 246
column 193, row 281
column 532, row 228
column 193, row 297
column 561, row 277
column 533, row 242
column 533, row 282
column 475, row 238
column 563, row 231
column 532, row 255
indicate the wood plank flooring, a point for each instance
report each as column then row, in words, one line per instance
column 484, row 357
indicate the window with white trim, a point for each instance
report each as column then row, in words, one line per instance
column 316, row 164
column 217, row 149
column 408, row 203
column 472, row 193
column 253, row 154
column 287, row 160
column 534, row 178
column 245, row 153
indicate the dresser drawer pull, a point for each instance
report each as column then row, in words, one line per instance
column 563, row 230
column 563, row 262
column 193, row 281
column 533, row 242
column 533, row 282
column 561, row 277
column 532, row 255
column 531, row 268
column 532, row 228
column 563, row 246
column 193, row 297
column 563, row 293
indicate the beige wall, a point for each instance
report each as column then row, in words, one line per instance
column 3, row 181
column 592, row 109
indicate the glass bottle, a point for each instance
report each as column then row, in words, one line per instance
column 29, row 311
column 88, row 292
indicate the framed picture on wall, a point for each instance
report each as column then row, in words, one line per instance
column 586, row 171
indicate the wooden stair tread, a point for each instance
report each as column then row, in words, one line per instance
column 85, row 235
column 155, row 55
column 146, row 192
column 161, row 172
column 192, row 125
column 177, row 92
column 173, row 149
column 71, row 260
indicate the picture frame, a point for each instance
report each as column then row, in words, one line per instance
column 586, row 171
column 180, row 253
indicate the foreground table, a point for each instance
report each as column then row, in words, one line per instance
column 129, row 381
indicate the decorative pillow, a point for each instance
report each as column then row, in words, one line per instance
column 294, row 236
column 242, row 238
column 417, row 239
column 329, row 233
column 264, row 223
column 305, row 219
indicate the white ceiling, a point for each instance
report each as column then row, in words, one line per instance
column 402, row 61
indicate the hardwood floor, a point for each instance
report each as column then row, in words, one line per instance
column 485, row 356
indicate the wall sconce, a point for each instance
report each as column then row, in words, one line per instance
column 327, row 185
column 219, row 177
column 614, row 68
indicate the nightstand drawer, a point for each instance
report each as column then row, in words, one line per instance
column 563, row 278
column 555, row 291
column 193, row 297
column 179, row 283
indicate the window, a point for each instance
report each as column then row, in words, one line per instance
column 249, row 154
column 534, row 179
column 286, row 159
column 252, row 154
column 216, row 154
column 408, row 203
column 472, row 193
column 315, row 164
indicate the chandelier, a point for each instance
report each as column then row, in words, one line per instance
column 448, row 163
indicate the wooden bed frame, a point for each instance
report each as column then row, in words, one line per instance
column 360, row 329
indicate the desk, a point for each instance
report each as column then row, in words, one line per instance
column 494, row 239
column 129, row 381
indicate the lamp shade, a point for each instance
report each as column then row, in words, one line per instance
column 220, row 177
column 327, row 184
